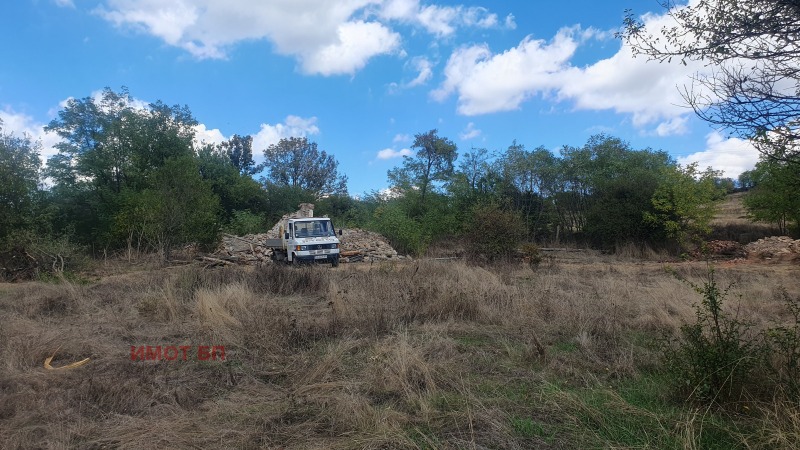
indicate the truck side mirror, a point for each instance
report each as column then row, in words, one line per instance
column 286, row 235
column 340, row 231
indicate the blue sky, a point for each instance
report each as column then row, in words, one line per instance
column 361, row 77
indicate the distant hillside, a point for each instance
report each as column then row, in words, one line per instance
column 731, row 222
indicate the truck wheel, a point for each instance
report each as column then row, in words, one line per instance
column 295, row 261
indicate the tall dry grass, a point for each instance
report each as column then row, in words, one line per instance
column 426, row 354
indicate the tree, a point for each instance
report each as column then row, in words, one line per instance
column 685, row 202
column 622, row 184
column 110, row 147
column 178, row 208
column 494, row 232
column 753, row 48
column 773, row 196
column 239, row 150
column 237, row 191
column 297, row 162
column 19, row 182
column 475, row 167
column 433, row 162
column 532, row 174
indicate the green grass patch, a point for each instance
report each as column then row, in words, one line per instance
column 527, row 427
column 565, row 347
column 473, row 340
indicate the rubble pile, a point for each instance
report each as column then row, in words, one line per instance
column 358, row 244
column 306, row 210
column 725, row 249
column 778, row 247
column 248, row 249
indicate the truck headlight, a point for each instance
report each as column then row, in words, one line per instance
column 301, row 248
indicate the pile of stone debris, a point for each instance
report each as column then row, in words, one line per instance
column 363, row 245
column 720, row 250
column 782, row 248
column 356, row 244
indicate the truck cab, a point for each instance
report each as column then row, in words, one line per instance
column 311, row 239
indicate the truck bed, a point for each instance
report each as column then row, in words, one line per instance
column 273, row 243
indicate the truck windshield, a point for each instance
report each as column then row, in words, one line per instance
column 313, row 228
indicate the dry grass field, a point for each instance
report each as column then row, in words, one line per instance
column 424, row 354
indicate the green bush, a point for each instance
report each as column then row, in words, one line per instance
column 715, row 360
column 494, row 233
column 404, row 233
column 245, row 222
column 783, row 344
column 531, row 254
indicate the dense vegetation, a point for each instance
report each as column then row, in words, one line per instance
column 132, row 178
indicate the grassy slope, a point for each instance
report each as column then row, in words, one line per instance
column 415, row 355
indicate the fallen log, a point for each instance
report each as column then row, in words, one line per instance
column 215, row 260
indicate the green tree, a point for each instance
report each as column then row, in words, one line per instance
column 623, row 182
column 494, row 232
column 111, row 145
column 237, row 191
column 773, row 197
column 239, row 150
column 283, row 199
column 298, row 163
column 532, row 177
column 178, row 208
column 19, row 183
column 404, row 233
column 685, row 202
column 433, row 163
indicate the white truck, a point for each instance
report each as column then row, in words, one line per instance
column 306, row 240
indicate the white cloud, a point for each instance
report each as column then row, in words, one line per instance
column 20, row 124
column 485, row 82
column 204, row 135
column 470, row 132
column 309, row 29
column 510, row 23
column 674, row 126
column 294, row 126
column 65, row 3
column 389, row 153
column 357, row 43
column 424, row 70
column 326, row 37
column 441, row 21
column 402, row 138
column 732, row 155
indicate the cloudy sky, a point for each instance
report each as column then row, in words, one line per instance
column 361, row 77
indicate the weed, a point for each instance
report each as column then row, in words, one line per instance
column 783, row 343
column 714, row 362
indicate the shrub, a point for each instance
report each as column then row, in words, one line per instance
column 245, row 222
column 783, row 344
column 404, row 233
column 531, row 254
column 715, row 359
column 494, row 233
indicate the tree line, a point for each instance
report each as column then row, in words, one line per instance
column 131, row 178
